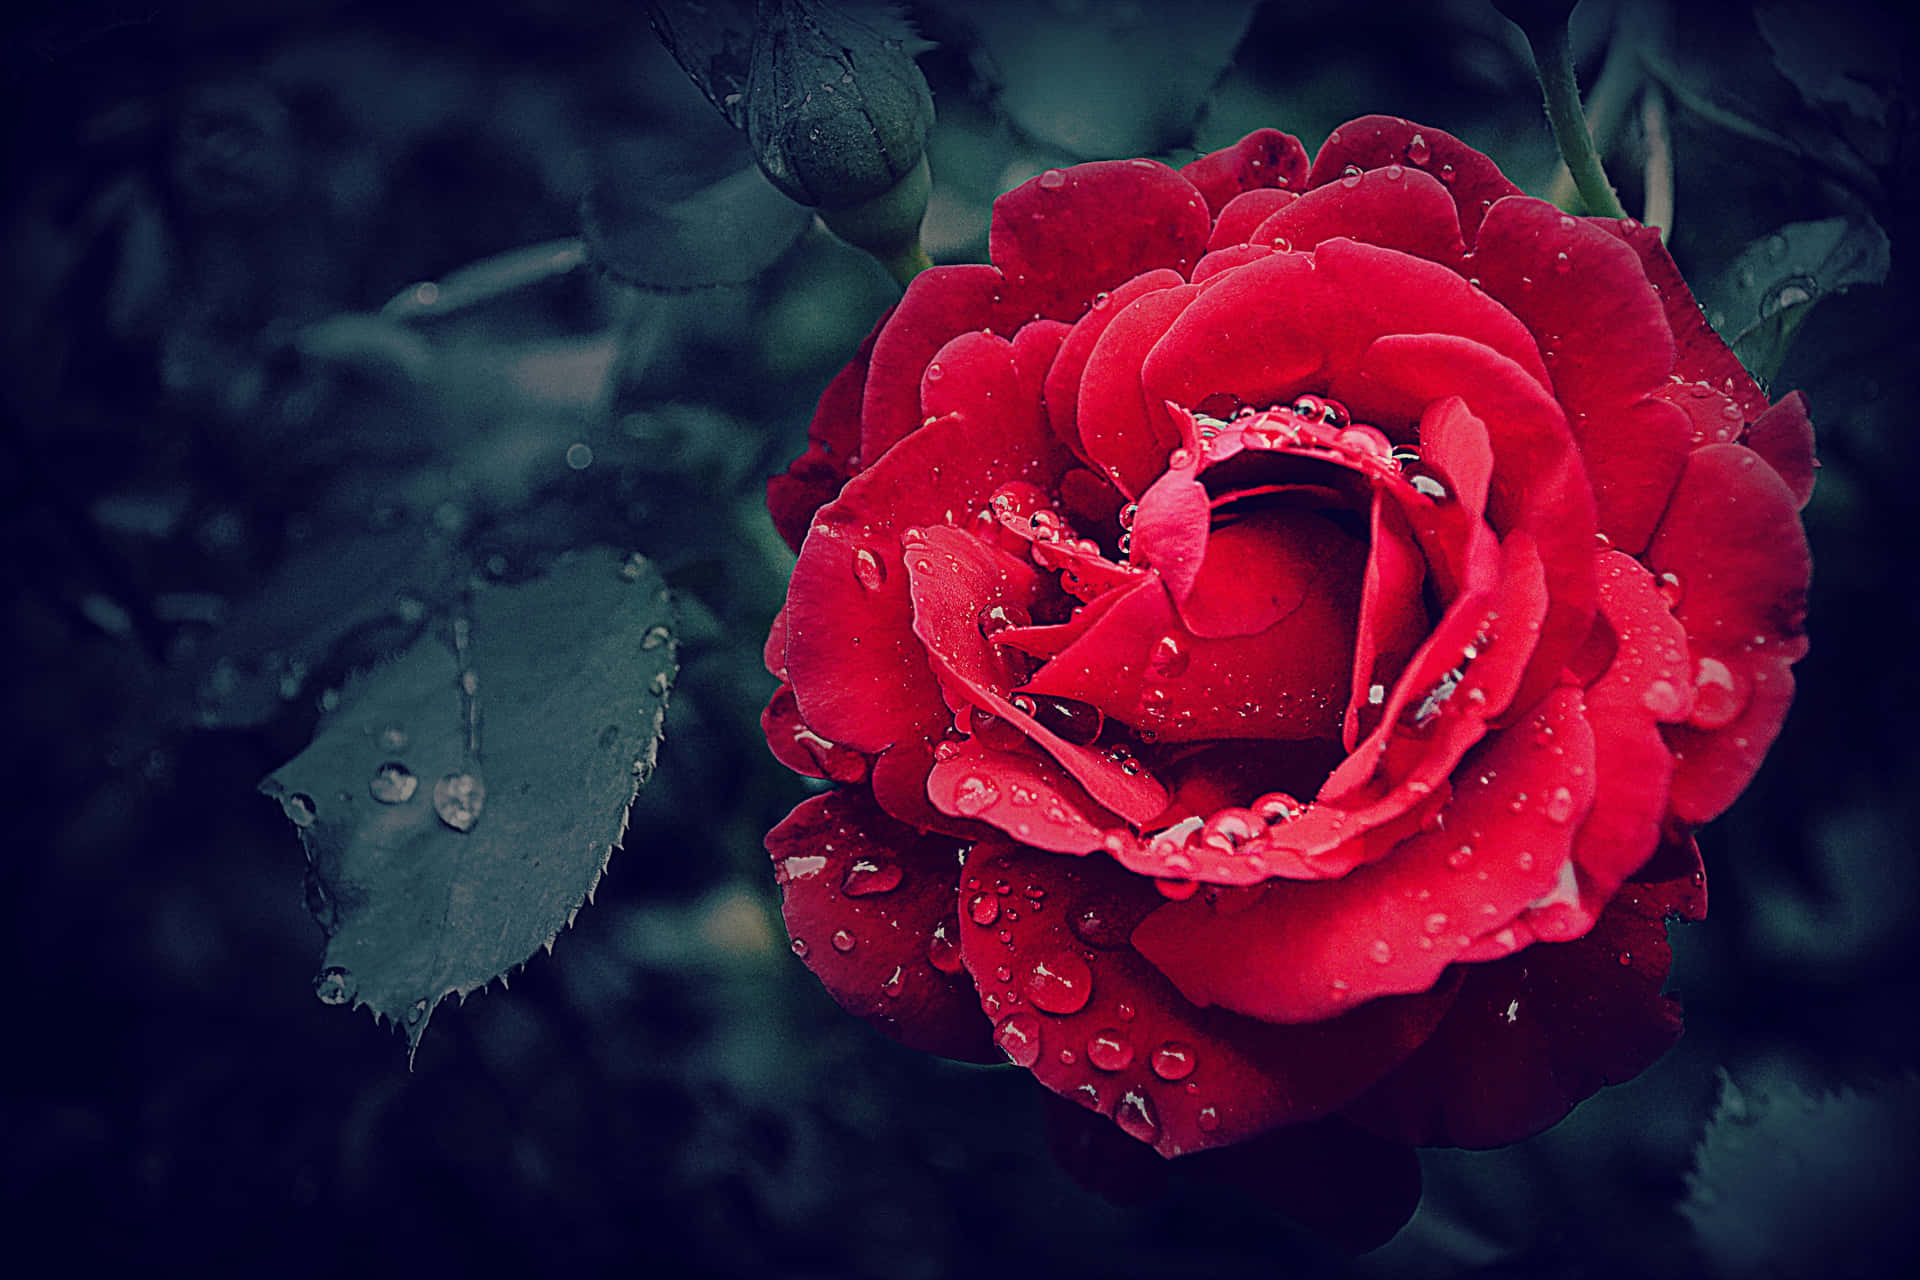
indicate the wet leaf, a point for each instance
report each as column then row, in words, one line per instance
column 451, row 831
column 1102, row 81
column 1787, row 1183
column 725, row 233
column 1760, row 301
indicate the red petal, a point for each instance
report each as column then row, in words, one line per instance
column 1069, row 234
column 941, row 304
column 1783, row 435
column 1534, row 1034
column 1025, row 794
column 1608, row 347
column 1701, row 356
column 1264, row 158
column 1393, row 616
column 833, row 441
column 862, row 896
column 1229, row 258
column 899, row 783
column 1402, row 209
column 1290, row 322
column 1733, row 539
column 1260, row 570
column 1245, row 212
column 801, row 749
column 1063, row 379
column 1307, row 950
column 1373, row 142
column 1096, row 1023
column 858, row 672
column 1124, row 431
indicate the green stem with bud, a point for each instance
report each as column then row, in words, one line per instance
column 888, row 226
column 1553, row 62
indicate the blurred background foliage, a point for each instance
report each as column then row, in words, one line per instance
column 248, row 453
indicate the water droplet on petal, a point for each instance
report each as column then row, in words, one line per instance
column 1380, row 952
column 1662, row 699
column 1098, row 927
column 1670, row 589
column 1061, row 985
column 1173, row 1061
column 335, row 985
column 393, row 783
column 1560, row 805
column 1418, row 149
column 868, row 569
column 896, row 983
column 995, row 618
column 798, row 946
column 457, row 798
column 1134, row 1113
column 983, row 909
column 842, row 941
column 1053, row 180
column 1719, row 695
column 1110, row 1050
column 1076, row 722
column 1350, row 176
column 975, row 794
column 1169, row 659
column 867, row 876
column 943, row 949
column 1018, row 1036
column 1208, row 1119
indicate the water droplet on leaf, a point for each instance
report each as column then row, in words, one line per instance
column 393, row 783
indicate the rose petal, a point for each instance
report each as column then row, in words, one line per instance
column 1069, row 234
column 1310, row 950
column 1392, row 617
column 1264, row 158
column 1608, row 347
column 1097, row 1024
column 1373, row 142
column 1733, row 540
column 1229, row 258
column 899, row 783
column 1700, row 354
column 1240, row 216
column 1063, row 379
column 1260, row 570
column 1025, row 794
column 1125, row 433
column 860, row 676
column 862, row 896
column 1395, row 208
column 1534, row 1034
column 833, row 443
column 1783, row 435
column 941, row 304
column 801, row 749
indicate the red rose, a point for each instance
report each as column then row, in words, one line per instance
column 1275, row 631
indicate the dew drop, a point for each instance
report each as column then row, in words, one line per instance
column 1350, row 176
column 943, row 950
column 842, row 941
column 867, row 877
column 393, row 783
column 868, row 569
column 1435, row 922
column 655, row 637
column 1626, row 958
column 335, row 985
column 457, row 798
column 1208, row 1119
column 1380, row 952
column 1101, row 301
column 1018, row 1036
column 1062, row 985
column 393, row 738
column 1671, row 589
column 896, row 983
column 995, row 618
column 1173, row 1061
column 984, row 909
column 1098, row 928
column 1560, row 805
column 1076, row 722
column 300, row 809
column 1460, row 857
column 1719, row 696
column 798, row 946
column 1110, row 1050
column 416, row 1013
column 1169, row 659
column 1418, row 150
column 1134, row 1113
column 1662, row 698
column 1053, row 180
column 975, row 794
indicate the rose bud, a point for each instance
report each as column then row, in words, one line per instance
column 1275, row 630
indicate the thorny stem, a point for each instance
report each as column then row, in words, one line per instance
column 1606, row 103
column 1553, row 62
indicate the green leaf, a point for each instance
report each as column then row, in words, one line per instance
column 1787, row 1183
column 1763, row 297
column 725, row 233
column 460, row 804
column 1101, row 81
column 1853, row 63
